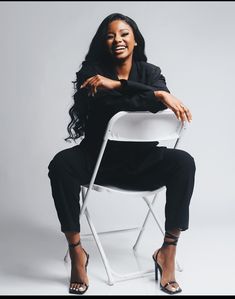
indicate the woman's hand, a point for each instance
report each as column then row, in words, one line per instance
column 180, row 110
column 99, row 81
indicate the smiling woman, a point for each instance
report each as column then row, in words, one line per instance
column 120, row 40
column 116, row 76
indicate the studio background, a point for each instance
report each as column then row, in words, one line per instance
column 42, row 47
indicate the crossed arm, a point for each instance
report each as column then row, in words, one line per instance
column 97, row 83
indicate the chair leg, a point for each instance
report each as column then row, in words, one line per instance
column 100, row 248
column 154, row 216
column 178, row 267
column 98, row 243
column 144, row 224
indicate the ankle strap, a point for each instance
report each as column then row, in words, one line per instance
column 74, row 245
column 170, row 236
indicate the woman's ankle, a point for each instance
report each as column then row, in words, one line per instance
column 72, row 237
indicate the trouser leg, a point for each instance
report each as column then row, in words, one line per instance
column 179, row 178
column 68, row 170
column 176, row 171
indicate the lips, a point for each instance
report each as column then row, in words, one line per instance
column 119, row 48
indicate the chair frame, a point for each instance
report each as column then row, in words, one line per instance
column 86, row 192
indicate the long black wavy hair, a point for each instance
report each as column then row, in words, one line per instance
column 98, row 54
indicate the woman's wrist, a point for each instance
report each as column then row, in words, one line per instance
column 117, row 84
column 160, row 94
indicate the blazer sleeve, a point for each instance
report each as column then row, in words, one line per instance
column 156, row 81
column 135, row 96
column 141, row 101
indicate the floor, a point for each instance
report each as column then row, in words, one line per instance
column 32, row 262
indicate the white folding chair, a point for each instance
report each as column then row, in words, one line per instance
column 137, row 127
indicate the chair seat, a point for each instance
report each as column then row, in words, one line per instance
column 109, row 188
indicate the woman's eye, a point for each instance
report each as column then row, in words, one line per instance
column 126, row 33
column 109, row 36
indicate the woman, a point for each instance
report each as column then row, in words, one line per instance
column 115, row 76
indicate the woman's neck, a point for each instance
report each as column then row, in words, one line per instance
column 123, row 69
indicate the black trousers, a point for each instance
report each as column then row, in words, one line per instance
column 71, row 168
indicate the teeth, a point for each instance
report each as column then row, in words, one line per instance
column 119, row 48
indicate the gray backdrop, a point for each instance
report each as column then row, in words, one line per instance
column 42, row 46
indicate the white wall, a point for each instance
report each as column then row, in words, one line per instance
column 42, row 46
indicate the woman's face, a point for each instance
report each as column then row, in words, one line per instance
column 120, row 40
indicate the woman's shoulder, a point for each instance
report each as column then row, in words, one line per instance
column 149, row 67
column 147, row 71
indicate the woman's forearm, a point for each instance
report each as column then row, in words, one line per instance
column 180, row 110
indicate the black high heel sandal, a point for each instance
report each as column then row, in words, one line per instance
column 158, row 267
column 84, row 287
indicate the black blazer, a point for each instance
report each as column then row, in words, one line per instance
column 136, row 95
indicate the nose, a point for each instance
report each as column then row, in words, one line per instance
column 117, row 39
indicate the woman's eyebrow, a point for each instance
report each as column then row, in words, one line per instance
column 119, row 30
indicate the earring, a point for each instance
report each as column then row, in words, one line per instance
column 135, row 44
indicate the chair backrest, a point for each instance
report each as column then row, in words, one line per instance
column 138, row 126
column 144, row 126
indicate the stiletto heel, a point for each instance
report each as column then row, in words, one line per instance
column 80, row 290
column 158, row 267
column 156, row 272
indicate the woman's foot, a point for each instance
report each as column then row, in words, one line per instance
column 79, row 259
column 165, row 257
column 165, row 262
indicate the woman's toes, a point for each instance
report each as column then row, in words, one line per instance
column 75, row 287
column 173, row 287
column 82, row 287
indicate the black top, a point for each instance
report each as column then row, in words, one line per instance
column 135, row 95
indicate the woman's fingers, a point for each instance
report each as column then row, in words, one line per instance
column 186, row 114
column 93, row 90
column 97, row 82
column 92, row 84
column 189, row 115
column 182, row 113
column 87, row 82
column 180, row 110
column 90, row 81
column 177, row 113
